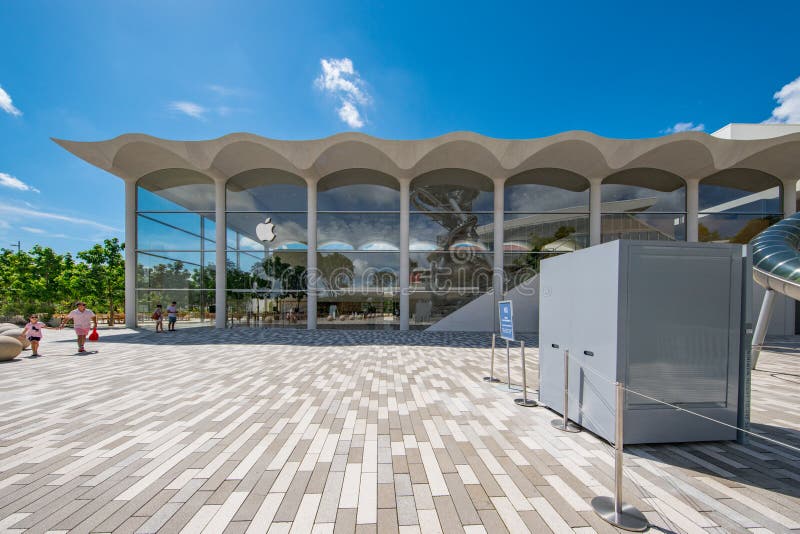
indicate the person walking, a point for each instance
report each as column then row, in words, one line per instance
column 172, row 315
column 82, row 319
column 33, row 331
column 158, row 317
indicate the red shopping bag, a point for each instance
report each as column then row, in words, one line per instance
column 94, row 335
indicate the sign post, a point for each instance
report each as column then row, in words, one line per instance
column 506, row 314
column 506, row 320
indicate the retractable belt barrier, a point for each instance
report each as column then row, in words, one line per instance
column 611, row 509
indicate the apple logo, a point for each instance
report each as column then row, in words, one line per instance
column 264, row 231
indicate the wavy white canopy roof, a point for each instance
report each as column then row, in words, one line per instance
column 565, row 158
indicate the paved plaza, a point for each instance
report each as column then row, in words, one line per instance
column 357, row 431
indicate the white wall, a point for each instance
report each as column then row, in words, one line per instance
column 749, row 132
column 478, row 315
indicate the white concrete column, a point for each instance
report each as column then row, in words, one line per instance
column 404, row 253
column 311, row 259
column 499, row 239
column 130, row 253
column 595, row 207
column 789, row 196
column 221, row 274
column 692, row 209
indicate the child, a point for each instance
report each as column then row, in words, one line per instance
column 33, row 331
column 82, row 319
column 158, row 316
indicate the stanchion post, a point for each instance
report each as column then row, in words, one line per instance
column 564, row 424
column 491, row 377
column 524, row 400
column 539, row 376
column 508, row 364
column 614, row 511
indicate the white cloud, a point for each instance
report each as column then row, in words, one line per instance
column 249, row 244
column 189, row 108
column 334, row 78
column 685, row 127
column 350, row 115
column 39, row 214
column 340, row 79
column 32, row 230
column 788, row 110
column 6, row 105
column 6, row 180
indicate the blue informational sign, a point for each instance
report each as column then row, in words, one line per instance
column 506, row 320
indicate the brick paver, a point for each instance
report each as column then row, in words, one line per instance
column 356, row 431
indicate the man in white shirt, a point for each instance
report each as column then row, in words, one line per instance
column 83, row 319
column 172, row 315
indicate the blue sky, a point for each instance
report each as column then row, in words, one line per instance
column 92, row 70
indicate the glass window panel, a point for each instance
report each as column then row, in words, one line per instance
column 267, row 290
column 195, row 308
column 628, row 198
column 545, row 232
column 261, row 309
column 266, row 190
column 359, row 197
column 359, row 311
column 289, row 229
column 209, row 232
column 358, row 231
column 371, row 272
column 732, row 227
column 454, row 198
column 175, row 270
column 716, row 199
column 643, row 226
column 461, row 271
column 537, row 198
column 175, row 189
column 427, row 308
column 174, row 231
column 519, row 268
column 451, row 231
column 276, row 272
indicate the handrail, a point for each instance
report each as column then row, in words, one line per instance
column 776, row 267
column 776, row 258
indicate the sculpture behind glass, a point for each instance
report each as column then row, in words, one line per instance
column 458, row 266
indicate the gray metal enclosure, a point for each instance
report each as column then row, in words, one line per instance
column 664, row 319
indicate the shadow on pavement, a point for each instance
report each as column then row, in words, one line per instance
column 316, row 338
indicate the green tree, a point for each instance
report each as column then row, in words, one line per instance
column 37, row 281
column 335, row 270
column 753, row 228
column 704, row 235
column 101, row 276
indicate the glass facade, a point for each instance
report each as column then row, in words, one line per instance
column 541, row 221
column 451, row 243
column 267, row 239
column 730, row 214
column 175, row 245
column 643, row 204
column 451, row 237
column 358, row 252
